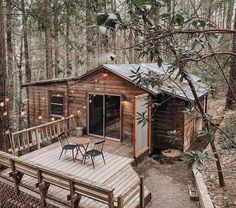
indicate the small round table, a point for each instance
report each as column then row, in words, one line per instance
column 82, row 142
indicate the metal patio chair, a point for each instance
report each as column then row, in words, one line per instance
column 96, row 151
column 65, row 145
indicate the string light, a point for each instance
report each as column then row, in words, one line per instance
column 7, row 99
column 97, row 88
column 104, row 74
column 90, row 101
column 2, row 104
column 72, row 91
column 52, row 118
column 5, row 113
column 40, row 117
column 78, row 111
column 22, row 113
column 7, row 131
column 71, row 115
column 84, row 85
column 84, row 106
column 43, row 98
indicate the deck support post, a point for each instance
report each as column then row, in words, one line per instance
column 111, row 199
column 43, row 188
column 120, row 201
column 141, row 191
column 73, row 197
column 16, row 175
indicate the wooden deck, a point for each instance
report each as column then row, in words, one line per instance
column 118, row 174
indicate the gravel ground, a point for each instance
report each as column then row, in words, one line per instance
column 167, row 183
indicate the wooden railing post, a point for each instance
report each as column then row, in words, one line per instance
column 111, row 199
column 73, row 197
column 120, row 202
column 17, row 176
column 43, row 187
column 141, row 191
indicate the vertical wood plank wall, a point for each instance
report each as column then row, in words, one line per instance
column 38, row 101
column 104, row 82
column 77, row 93
column 168, row 117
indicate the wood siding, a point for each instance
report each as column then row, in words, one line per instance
column 39, row 102
column 168, row 117
column 192, row 125
column 104, row 82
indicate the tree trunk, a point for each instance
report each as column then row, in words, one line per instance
column 4, row 124
column 48, row 39
column 68, row 64
column 216, row 155
column 26, row 46
column 56, row 50
column 9, row 86
column 230, row 13
column 230, row 99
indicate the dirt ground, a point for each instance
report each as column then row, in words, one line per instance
column 222, row 197
column 167, row 183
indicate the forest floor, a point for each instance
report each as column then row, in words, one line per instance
column 222, row 197
column 168, row 184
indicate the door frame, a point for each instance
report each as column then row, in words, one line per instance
column 104, row 110
column 149, row 128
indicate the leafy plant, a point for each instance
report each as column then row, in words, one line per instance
column 195, row 159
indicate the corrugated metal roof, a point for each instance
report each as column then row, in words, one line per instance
column 170, row 84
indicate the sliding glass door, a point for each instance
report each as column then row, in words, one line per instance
column 104, row 116
column 96, row 115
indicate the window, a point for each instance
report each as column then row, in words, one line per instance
column 57, row 104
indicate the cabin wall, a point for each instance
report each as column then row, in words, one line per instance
column 38, row 102
column 104, row 82
column 192, row 125
column 168, row 117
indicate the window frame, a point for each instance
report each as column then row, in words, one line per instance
column 54, row 94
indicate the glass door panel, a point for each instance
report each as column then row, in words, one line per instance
column 112, row 116
column 96, row 115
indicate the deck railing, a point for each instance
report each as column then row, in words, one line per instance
column 33, row 137
column 124, row 199
column 45, row 178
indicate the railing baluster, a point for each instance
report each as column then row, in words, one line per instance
column 33, row 136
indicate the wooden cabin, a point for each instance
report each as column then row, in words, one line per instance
column 108, row 103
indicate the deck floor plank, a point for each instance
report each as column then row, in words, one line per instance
column 117, row 173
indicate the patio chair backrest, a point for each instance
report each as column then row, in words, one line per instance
column 62, row 139
column 99, row 146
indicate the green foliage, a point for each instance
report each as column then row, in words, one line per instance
column 178, row 19
column 175, row 137
column 208, row 135
column 195, row 159
column 150, row 78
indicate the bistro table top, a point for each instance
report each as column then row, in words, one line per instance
column 82, row 140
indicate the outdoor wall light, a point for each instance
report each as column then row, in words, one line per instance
column 123, row 97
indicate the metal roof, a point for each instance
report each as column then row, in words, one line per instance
column 170, row 84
